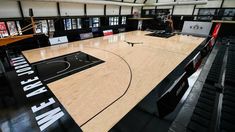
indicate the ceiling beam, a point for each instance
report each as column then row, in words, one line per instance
column 104, row 2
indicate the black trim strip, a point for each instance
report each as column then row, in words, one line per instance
column 194, row 10
column 104, row 10
column 16, row 27
column 142, row 8
column 132, row 10
column 48, row 27
column 156, row 6
column 222, row 3
column 85, row 10
column 8, row 31
column 194, row 7
column 173, row 8
column 21, row 10
column 58, row 8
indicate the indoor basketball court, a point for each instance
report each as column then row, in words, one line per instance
column 141, row 70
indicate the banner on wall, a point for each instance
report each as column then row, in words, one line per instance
column 216, row 30
column 197, row 28
column 12, row 27
column 3, row 30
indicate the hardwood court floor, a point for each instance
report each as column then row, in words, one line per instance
column 97, row 98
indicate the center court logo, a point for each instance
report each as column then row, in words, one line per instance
column 196, row 27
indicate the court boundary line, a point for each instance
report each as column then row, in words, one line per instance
column 119, row 96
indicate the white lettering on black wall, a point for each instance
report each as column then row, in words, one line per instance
column 46, row 119
column 33, row 86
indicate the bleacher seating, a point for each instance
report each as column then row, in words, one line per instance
column 228, row 105
column 206, row 115
column 214, row 74
column 202, row 118
column 203, row 112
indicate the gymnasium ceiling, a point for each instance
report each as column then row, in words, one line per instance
column 132, row 2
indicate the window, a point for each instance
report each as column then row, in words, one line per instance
column 228, row 14
column 162, row 12
column 41, row 26
column 94, row 22
column 3, row 30
column 67, row 24
column 79, row 23
column 76, row 23
column 206, row 18
column 44, row 27
column 19, row 27
column 152, row 12
column 12, row 27
column 51, row 25
column 113, row 21
column 123, row 20
column 147, row 12
column 206, row 12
